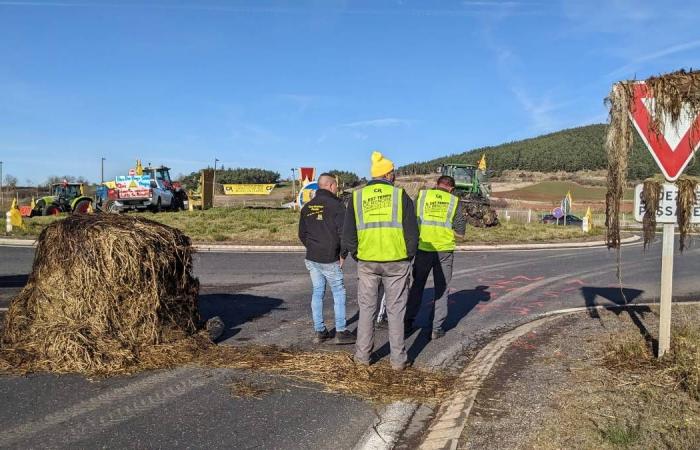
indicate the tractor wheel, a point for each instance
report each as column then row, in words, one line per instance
column 51, row 210
column 158, row 208
column 178, row 201
column 111, row 207
column 82, row 207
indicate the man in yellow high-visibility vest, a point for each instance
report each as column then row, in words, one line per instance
column 381, row 233
column 440, row 218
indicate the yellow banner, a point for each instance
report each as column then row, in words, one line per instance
column 248, row 189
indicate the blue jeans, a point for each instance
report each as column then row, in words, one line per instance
column 320, row 275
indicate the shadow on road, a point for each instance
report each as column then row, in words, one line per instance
column 620, row 296
column 13, row 281
column 235, row 309
column 459, row 304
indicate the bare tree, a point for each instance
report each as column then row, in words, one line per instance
column 10, row 181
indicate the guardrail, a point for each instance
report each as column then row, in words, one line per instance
column 531, row 215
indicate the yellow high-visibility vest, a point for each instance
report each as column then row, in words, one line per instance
column 378, row 217
column 436, row 211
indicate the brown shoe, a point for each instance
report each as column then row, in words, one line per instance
column 359, row 362
column 401, row 367
column 344, row 337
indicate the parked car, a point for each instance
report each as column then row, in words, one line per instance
column 570, row 220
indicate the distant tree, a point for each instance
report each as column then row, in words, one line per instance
column 345, row 179
column 233, row 176
column 569, row 150
column 10, row 181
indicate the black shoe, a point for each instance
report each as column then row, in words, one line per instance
column 344, row 337
column 321, row 336
column 437, row 334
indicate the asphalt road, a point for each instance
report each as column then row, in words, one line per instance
column 264, row 298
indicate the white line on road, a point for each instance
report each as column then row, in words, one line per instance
column 26, row 430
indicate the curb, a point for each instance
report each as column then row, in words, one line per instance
column 224, row 248
column 452, row 416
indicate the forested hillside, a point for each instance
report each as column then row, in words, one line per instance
column 568, row 150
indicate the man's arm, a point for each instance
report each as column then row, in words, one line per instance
column 302, row 226
column 410, row 226
column 459, row 224
column 349, row 240
column 339, row 220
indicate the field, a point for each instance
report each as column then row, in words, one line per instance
column 279, row 226
column 554, row 191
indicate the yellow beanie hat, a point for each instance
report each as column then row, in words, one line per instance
column 380, row 165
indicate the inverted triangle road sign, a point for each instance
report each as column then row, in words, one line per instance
column 672, row 149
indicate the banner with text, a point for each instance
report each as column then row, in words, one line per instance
column 248, row 189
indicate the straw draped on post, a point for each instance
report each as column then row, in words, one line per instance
column 676, row 96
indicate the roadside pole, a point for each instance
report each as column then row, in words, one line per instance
column 666, row 289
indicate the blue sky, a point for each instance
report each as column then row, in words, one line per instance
column 279, row 84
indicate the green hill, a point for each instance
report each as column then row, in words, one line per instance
column 567, row 150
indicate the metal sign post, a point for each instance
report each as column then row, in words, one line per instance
column 666, row 215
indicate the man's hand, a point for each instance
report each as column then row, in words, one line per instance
column 342, row 261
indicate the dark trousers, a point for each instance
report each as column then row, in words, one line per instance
column 440, row 263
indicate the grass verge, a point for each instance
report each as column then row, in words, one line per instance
column 276, row 227
column 621, row 396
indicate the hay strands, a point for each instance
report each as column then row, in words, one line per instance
column 651, row 193
column 674, row 94
column 112, row 295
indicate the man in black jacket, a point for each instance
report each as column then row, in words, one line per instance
column 320, row 230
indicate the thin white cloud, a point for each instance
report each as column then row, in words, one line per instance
column 377, row 123
column 635, row 64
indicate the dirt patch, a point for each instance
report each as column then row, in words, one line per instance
column 556, row 388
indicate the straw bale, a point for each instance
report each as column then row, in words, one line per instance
column 102, row 288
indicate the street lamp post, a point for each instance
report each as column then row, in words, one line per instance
column 102, row 170
column 2, row 195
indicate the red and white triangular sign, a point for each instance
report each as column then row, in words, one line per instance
column 673, row 149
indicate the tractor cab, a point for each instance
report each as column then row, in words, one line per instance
column 66, row 192
column 469, row 180
column 161, row 175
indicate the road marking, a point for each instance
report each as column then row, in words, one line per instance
column 453, row 414
column 139, row 406
column 29, row 429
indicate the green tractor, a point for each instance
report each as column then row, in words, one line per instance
column 65, row 197
column 471, row 186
